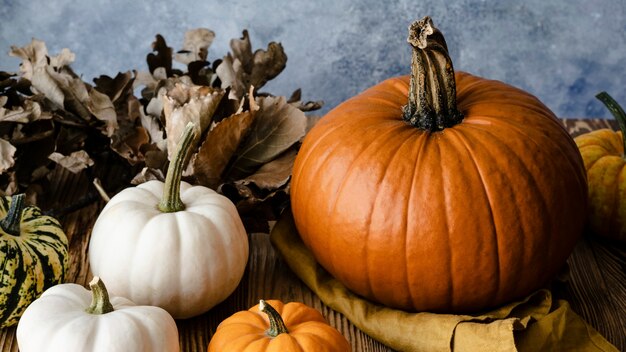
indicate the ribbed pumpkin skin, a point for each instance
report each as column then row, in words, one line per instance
column 308, row 332
column 31, row 263
column 479, row 214
column 602, row 152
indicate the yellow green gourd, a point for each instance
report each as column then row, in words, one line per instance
column 33, row 256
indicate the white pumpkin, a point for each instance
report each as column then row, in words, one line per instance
column 70, row 318
column 184, row 252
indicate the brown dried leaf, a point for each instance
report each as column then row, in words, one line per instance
column 153, row 126
column 188, row 103
column 7, row 151
column 131, row 136
column 28, row 112
column 116, row 88
column 195, row 46
column 274, row 174
column 102, row 108
column 128, row 143
column 52, row 76
column 243, row 69
column 74, row 162
column 277, row 127
column 148, row 174
column 218, row 148
column 163, row 56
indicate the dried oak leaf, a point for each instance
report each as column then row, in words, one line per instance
column 219, row 147
column 162, row 58
column 75, row 162
column 30, row 111
column 188, row 103
column 277, row 126
column 7, row 151
column 129, row 138
column 243, row 69
column 296, row 100
column 51, row 76
column 195, row 46
column 101, row 106
column 274, row 174
column 148, row 174
column 115, row 88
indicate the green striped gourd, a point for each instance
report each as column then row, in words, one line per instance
column 33, row 256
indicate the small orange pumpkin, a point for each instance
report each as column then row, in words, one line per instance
column 603, row 155
column 275, row 326
column 440, row 192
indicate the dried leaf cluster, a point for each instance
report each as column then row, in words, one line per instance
column 51, row 118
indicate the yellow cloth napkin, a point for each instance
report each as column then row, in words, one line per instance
column 537, row 323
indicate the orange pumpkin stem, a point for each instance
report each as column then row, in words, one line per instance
column 277, row 325
column 617, row 112
column 432, row 91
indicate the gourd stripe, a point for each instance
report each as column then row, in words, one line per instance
column 5, row 275
column 12, row 299
column 48, row 273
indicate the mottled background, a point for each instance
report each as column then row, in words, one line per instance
column 564, row 52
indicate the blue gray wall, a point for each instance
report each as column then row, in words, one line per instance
column 564, row 52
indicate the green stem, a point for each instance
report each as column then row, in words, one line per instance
column 617, row 112
column 100, row 303
column 432, row 91
column 277, row 325
column 171, row 202
column 11, row 222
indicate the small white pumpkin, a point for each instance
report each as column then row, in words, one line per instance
column 69, row 318
column 185, row 254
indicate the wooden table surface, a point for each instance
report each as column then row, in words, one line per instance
column 596, row 288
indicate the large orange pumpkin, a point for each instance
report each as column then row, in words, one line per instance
column 440, row 192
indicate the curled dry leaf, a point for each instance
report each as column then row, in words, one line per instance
column 74, row 162
column 102, row 108
column 7, row 151
column 128, row 140
column 195, row 46
column 276, row 128
column 162, row 57
column 188, row 103
column 273, row 174
column 28, row 112
column 219, row 147
column 148, row 174
column 241, row 69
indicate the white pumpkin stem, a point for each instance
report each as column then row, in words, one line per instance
column 617, row 112
column 277, row 325
column 432, row 91
column 100, row 303
column 11, row 222
column 171, row 202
